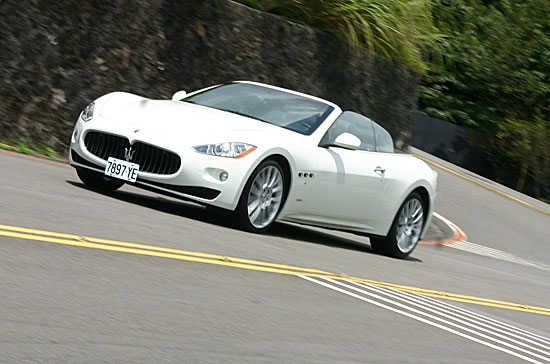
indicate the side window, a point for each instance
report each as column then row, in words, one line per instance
column 353, row 123
column 384, row 141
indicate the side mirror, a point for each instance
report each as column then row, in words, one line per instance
column 179, row 95
column 348, row 141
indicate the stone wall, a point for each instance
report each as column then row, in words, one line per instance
column 59, row 55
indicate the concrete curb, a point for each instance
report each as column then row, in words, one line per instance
column 442, row 232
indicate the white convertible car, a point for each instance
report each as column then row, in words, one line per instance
column 264, row 153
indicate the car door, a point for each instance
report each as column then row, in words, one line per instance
column 348, row 183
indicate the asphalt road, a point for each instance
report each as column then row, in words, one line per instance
column 133, row 277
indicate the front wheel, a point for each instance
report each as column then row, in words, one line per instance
column 262, row 197
column 98, row 180
column 405, row 231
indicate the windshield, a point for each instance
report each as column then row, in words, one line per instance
column 277, row 107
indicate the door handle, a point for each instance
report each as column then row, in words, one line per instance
column 379, row 170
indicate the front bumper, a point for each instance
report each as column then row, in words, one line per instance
column 198, row 177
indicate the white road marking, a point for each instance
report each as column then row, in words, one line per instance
column 483, row 330
column 464, row 245
column 498, row 254
column 446, row 311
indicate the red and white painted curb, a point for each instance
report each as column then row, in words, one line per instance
column 458, row 234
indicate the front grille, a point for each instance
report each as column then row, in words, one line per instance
column 155, row 160
column 106, row 145
column 150, row 159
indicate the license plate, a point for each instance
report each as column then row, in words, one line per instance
column 120, row 169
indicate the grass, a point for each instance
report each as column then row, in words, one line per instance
column 402, row 31
column 23, row 147
column 47, row 151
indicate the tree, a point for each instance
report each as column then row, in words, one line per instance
column 496, row 80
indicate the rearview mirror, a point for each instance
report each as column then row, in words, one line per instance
column 178, row 96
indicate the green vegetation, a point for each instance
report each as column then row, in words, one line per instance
column 497, row 82
column 399, row 30
column 486, row 65
column 23, row 148
column 47, row 151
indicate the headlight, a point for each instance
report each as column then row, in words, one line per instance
column 88, row 113
column 230, row 150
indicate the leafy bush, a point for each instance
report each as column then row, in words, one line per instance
column 399, row 30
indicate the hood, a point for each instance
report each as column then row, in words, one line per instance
column 184, row 120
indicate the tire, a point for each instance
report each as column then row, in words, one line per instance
column 262, row 197
column 98, row 180
column 405, row 231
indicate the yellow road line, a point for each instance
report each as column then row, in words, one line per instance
column 457, row 297
column 483, row 184
column 113, row 245
column 160, row 252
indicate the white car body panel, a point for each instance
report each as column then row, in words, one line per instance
column 348, row 194
column 330, row 187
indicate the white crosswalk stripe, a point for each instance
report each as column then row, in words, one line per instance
column 494, row 253
column 486, row 331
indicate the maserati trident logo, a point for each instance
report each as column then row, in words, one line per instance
column 129, row 154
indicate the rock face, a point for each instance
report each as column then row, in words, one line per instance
column 59, row 55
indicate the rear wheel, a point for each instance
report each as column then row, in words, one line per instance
column 262, row 197
column 98, row 180
column 405, row 231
